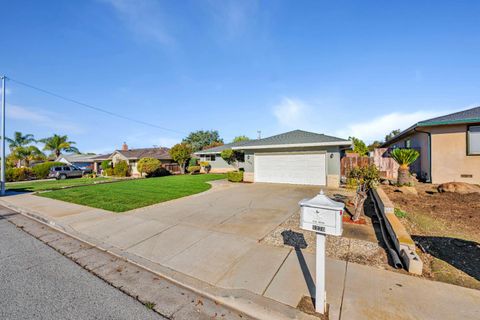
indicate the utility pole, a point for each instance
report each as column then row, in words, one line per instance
column 2, row 167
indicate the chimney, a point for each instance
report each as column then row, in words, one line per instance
column 124, row 147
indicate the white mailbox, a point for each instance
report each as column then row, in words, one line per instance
column 321, row 214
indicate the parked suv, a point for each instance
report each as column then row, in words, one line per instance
column 64, row 172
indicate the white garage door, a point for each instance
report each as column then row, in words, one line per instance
column 290, row 168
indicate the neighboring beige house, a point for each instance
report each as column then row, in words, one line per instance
column 449, row 147
column 131, row 156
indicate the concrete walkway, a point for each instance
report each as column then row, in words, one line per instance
column 213, row 238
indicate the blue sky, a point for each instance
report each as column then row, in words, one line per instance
column 342, row 68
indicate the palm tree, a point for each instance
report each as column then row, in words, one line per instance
column 27, row 154
column 57, row 144
column 20, row 140
column 404, row 157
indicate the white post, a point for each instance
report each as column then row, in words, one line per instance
column 320, row 294
column 2, row 166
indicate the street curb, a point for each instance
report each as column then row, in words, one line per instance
column 240, row 300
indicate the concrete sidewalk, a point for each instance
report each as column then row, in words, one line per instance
column 227, row 261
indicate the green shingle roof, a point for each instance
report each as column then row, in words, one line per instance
column 465, row 116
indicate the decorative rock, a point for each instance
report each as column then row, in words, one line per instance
column 458, row 187
column 408, row 190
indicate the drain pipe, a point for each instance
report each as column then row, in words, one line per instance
column 394, row 255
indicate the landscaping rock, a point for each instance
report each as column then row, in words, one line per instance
column 458, row 187
column 407, row 190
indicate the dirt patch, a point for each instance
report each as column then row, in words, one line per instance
column 445, row 227
column 359, row 243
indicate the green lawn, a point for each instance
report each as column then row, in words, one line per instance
column 51, row 184
column 132, row 194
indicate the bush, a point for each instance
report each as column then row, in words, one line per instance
column 400, row 213
column 148, row 165
column 120, row 169
column 193, row 162
column 193, row 169
column 106, row 164
column 40, row 171
column 235, row 176
column 18, row 174
column 160, row 172
column 206, row 166
column 108, row 172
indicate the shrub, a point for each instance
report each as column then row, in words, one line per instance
column 40, row 171
column 121, row 169
column 193, row 162
column 235, row 176
column 106, row 164
column 193, row 169
column 18, row 174
column 160, row 172
column 181, row 153
column 206, row 166
column 148, row 165
column 108, row 172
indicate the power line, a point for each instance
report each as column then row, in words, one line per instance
column 86, row 105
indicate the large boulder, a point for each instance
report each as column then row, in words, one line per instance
column 458, row 187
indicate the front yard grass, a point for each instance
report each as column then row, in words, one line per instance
column 133, row 194
column 51, row 184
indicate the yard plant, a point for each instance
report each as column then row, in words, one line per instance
column 366, row 178
column 40, row 171
column 180, row 153
column 235, row 176
column 148, row 166
column 121, row 169
column 404, row 158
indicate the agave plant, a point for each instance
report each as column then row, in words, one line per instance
column 404, row 158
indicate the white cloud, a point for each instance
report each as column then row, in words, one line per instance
column 41, row 118
column 145, row 18
column 234, row 16
column 293, row 113
column 376, row 128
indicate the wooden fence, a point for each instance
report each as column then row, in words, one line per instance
column 387, row 166
column 174, row 168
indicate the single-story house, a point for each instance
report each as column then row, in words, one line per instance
column 82, row 161
column 131, row 156
column 295, row 157
column 449, row 147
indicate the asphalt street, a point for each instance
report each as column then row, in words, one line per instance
column 37, row 282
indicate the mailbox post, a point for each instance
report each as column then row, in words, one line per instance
column 323, row 216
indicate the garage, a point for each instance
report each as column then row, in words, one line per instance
column 294, row 168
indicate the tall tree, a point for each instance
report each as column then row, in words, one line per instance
column 240, row 138
column 20, row 140
column 200, row 139
column 392, row 134
column 359, row 146
column 57, row 144
column 27, row 154
column 180, row 153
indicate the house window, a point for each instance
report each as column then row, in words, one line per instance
column 408, row 143
column 473, row 140
column 210, row 157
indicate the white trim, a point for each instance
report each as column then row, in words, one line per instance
column 206, row 152
column 295, row 145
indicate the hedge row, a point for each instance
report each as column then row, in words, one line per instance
column 40, row 171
